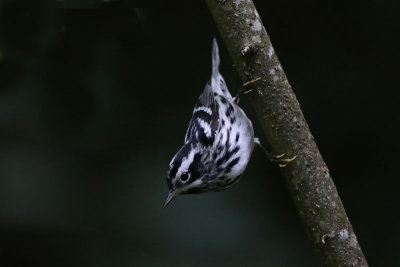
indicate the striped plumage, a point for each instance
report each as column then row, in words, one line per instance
column 218, row 143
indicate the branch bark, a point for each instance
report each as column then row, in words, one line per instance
column 307, row 177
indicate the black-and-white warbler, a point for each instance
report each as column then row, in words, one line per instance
column 218, row 143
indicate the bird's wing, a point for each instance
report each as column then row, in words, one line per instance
column 205, row 120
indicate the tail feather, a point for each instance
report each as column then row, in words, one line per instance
column 218, row 84
column 215, row 61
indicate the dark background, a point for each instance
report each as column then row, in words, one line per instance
column 95, row 102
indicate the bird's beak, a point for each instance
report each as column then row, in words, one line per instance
column 170, row 196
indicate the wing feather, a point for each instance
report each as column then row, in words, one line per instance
column 205, row 120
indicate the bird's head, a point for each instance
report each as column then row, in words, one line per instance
column 185, row 173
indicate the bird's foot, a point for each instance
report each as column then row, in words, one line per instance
column 277, row 159
column 243, row 91
column 282, row 162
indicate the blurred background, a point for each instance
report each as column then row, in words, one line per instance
column 95, row 98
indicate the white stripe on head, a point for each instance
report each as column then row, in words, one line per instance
column 186, row 161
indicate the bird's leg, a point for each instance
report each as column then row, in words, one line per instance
column 242, row 89
column 278, row 159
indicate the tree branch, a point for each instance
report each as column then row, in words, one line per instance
column 307, row 177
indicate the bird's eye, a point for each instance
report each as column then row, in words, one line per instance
column 184, row 176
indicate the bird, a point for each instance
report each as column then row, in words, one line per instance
column 218, row 143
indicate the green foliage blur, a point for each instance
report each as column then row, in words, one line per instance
column 95, row 98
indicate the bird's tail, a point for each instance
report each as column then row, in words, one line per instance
column 215, row 61
column 218, row 84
